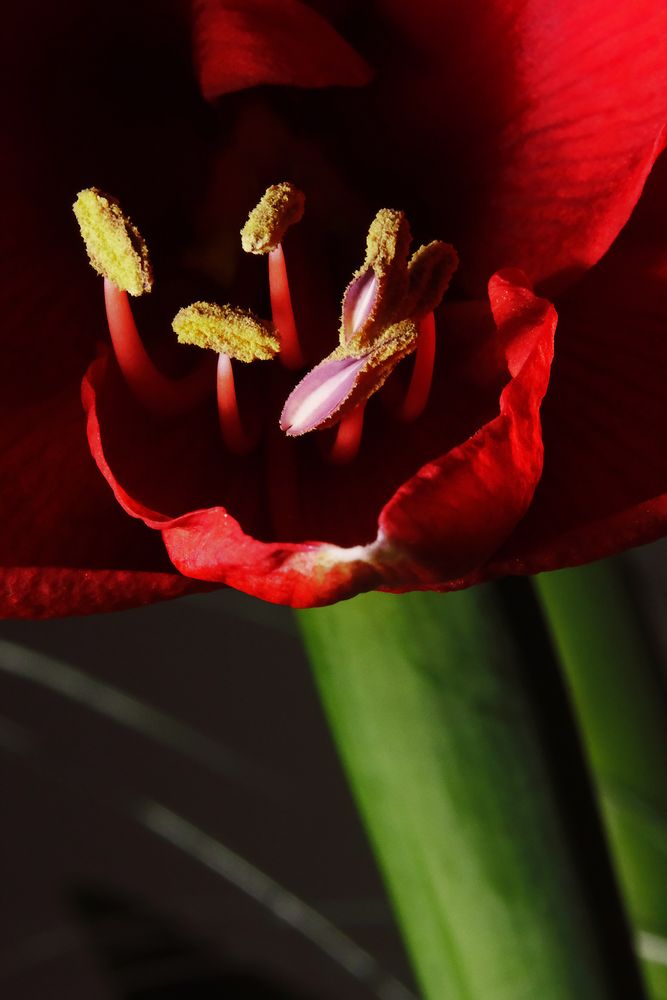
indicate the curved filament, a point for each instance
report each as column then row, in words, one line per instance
column 162, row 396
column 237, row 439
column 291, row 354
column 416, row 397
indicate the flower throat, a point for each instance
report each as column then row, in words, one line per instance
column 387, row 314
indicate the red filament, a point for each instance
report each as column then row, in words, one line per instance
column 163, row 396
column 348, row 436
column 416, row 397
column 233, row 433
column 291, row 354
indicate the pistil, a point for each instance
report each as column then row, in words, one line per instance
column 280, row 207
column 118, row 252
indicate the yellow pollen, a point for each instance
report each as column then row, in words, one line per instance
column 280, row 207
column 115, row 246
column 227, row 330
column 393, row 343
column 396, row 342
column 387, row 246
column 429, row 272
column 388, row 239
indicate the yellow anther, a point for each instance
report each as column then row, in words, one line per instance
column 387, row 241
column 115, row 246
column 394, row 342
column 387, row 247
column 227, row 330
column 280, row 207
column 429, row 272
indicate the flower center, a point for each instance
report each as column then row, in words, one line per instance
column 387, row 314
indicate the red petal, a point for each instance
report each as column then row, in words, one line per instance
column 543, row 118
column 65, row 545
column 453, row 514
column 493, row 475
column 56, row 591
column 605, row 419
column 250, row 42
column 210, row 544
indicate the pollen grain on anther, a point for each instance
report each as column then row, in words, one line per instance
column 115, row 246
column 227, row 330
column 281, row 206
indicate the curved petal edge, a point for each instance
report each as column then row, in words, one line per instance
column 445, row 521
column 240, row 45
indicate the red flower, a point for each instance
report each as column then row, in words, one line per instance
column 521, row 132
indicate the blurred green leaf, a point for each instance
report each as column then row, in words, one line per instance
column 440, row 745
column 618, row 695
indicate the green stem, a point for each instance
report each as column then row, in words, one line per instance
column 620, row 701
column 440, row 745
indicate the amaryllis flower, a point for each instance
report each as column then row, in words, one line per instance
column 397, row 440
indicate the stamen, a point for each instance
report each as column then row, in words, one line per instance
column 118, row 252
column 348, row 437
column 233, row 433
column 416, row 397
column 281, row 206
column 163, row 396
column 233, row 333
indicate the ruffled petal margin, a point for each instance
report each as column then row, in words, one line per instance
column 605, row 419
column 56, row 591
column 441, row 524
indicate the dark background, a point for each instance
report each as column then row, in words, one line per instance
column 95, row 905
column 157, row 765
